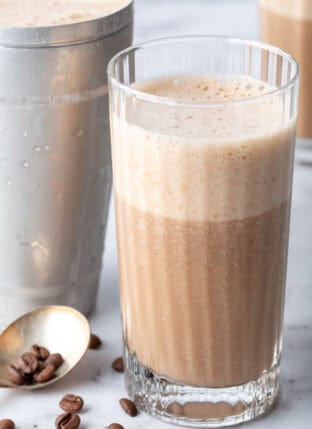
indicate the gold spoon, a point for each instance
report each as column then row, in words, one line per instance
column 60, row 329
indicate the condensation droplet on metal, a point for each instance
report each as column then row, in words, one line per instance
column 8, row 181
column 25, row 134
column 78, row 132
column 25, row 164
column 37, row 148
column 36, row 245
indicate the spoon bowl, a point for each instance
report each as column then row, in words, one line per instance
column 60, row 329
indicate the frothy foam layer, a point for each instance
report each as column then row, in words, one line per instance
column 41, row 13
column 209, row 164
column 299, row 9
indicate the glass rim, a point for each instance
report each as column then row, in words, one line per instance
column 171, row 101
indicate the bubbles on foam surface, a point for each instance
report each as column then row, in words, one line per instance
column 223, row 162
column 199, row 89
column 31, row 13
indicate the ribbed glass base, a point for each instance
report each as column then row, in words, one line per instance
column 197, row 406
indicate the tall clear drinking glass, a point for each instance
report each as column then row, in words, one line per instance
column 203, row 139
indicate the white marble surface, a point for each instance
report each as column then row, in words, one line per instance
column 94, row 379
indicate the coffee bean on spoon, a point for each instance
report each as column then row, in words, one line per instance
column 15, row 375
column 56, row 359
column 95, row 342
column 129, row 407
column 118, row 365
column 71, row 403
column 27, row 363
column 7, row 424
column 67, row 421
column 45, row 374
column 40, row 352
column 35, row 366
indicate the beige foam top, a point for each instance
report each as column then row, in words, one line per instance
column 214, row 164
column 299, row 9
column 41, row 13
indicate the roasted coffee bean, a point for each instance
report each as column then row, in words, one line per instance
column 37, row 365
column 129, row 407
column 7, row 424
column 115, row 426
column 27, row 363
column 71, row 403
column 118, row 365
column 15, row 375
column 67, row 421
column 45, row 374
column 56, row 359
column 95, row 342
column 40, row 352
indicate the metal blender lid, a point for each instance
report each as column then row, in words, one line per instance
column 68, row 34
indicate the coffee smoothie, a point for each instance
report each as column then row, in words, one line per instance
column 202, row 201
column 43, row 13
column 288, row 25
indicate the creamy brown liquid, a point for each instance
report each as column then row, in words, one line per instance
column 202, row 204
column 288, row 25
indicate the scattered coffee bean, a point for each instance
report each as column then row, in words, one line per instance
column 7, row 424
column 118, row 365
column 40, row 352
column 55, row 359
column 46, row 374
column 16, row 376
column 115, row 426
column 67, row 421
column 28, row 363
column 129, row 407
column 71, row 403
column 95, row 342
